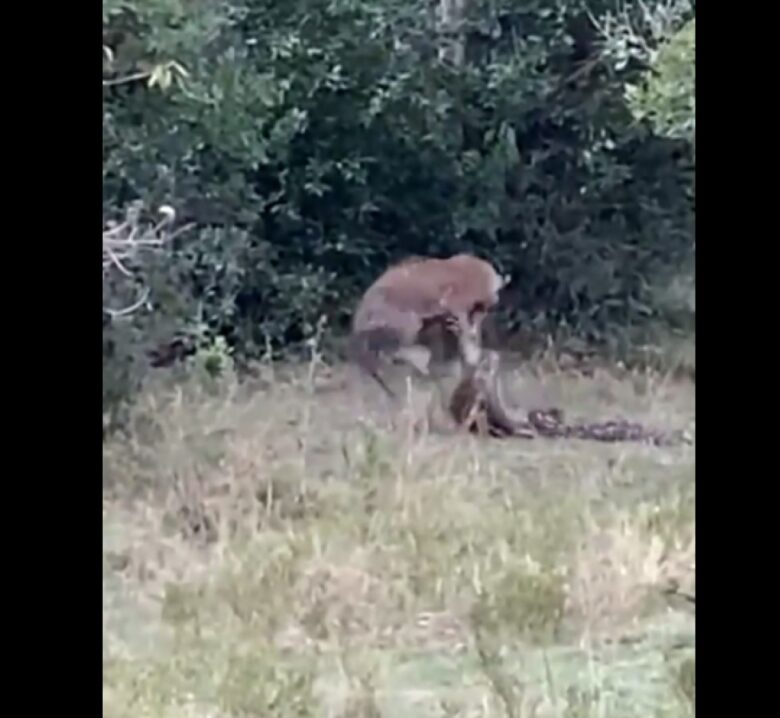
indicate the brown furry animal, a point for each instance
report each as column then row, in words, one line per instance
column 398, row 309
column 477, row 403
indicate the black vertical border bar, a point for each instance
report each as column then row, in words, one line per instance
column 53, row 355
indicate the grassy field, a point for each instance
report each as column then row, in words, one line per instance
column 281, row 548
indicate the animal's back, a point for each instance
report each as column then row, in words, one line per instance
column 429, row 286
column 386, row 307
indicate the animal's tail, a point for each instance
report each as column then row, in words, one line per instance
column 364, row 348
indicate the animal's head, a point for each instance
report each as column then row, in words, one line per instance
column 504, row 279
column 495, row 282
column 500, row 281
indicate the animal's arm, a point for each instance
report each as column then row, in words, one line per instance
column 468, row 332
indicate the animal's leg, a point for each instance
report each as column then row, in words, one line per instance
column 364, row 350
column 467, row 327
column 372, row 367
column 417, row 356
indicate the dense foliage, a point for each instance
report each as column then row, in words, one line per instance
column 311, row 142
column 668, row 96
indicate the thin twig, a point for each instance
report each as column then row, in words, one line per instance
column 127, row 78
column 121, row 243
column 114, row 313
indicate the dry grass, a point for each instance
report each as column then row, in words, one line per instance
column 281, row 550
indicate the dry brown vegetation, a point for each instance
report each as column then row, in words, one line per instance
column 277, row 548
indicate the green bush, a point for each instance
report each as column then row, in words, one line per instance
column 667, row 97
column 312, row 142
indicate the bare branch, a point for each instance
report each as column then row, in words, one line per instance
column 638, row 29
column 113, row 258
column 123, row 241
column 127, row 78
column 114, row 313
column 162, row 74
